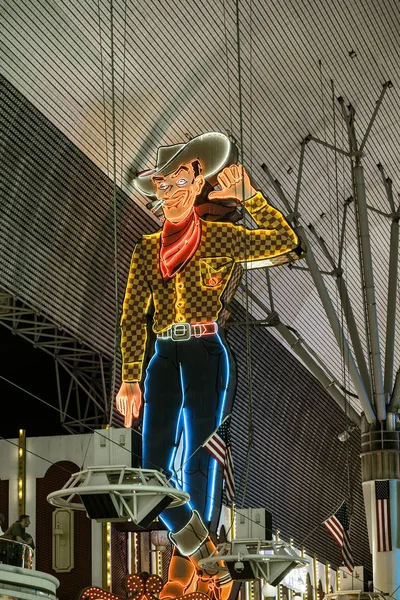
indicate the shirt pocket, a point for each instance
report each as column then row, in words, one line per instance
column 215, row 271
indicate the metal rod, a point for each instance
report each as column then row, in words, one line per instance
column 277, row 187
column 369, row 290
column 75, row 379
column 391, row 308
column 380, row 212
column 337, row 330
column 343, row 232
column 364, row 303
column 377, row 107
column 353, row 333
column 297, row 347
column 256, row 323
column 363, row 252
column 59, row 395
column 103, row 384
column 318, row 141
column 349, row 120
column 297, row 268
column 86, row 411
column 395, row 400
column 78, row 404
column 387, row 182
column 316, row 370
column 299, row 175
column 348, row 313
column 322, row 244
column 68, row 396
column 271, row 298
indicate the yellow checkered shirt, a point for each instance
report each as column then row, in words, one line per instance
column 194, row 294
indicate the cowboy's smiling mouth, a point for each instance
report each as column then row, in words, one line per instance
column 174, row 200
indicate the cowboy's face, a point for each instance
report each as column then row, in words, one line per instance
column 178, row 190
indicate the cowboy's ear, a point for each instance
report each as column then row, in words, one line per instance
column 199, row 184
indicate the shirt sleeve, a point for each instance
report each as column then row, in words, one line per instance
column 274, row 237
column 133, row 321
column 15, row 530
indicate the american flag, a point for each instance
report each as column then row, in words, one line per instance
column 383, row 522
column 219, row 446
column 338, row 526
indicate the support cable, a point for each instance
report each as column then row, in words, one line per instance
column 115, row 217
column 336, row 165
column 345, row 311
column 227, row 69
column 103, row 85
column 123, row 89
column 324, row 120
column 245, row 477
column 91, row 430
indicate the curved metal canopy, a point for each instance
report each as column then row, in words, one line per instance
column 163, row 72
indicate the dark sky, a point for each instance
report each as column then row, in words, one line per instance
column 33, row 370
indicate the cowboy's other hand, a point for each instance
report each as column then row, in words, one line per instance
column 128, row 401
column 235, row 183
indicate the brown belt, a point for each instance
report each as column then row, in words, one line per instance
column 180, row 332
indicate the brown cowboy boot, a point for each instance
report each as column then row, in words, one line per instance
column 181, row 577
column 216, row 584
column 194, row 542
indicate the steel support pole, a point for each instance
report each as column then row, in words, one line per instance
column 377, row 107
column 277, row 187
column 317, row 371
column 387, row 182
column 295, row 343
column 337, row 329
column 391, row 308
column 395, row 401
column 348, row 313
column 299, row 176
column 310, row 138
column 353, row 333
column 368, row 278
column 328, row 306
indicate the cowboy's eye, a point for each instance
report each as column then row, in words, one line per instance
column 162, row 186
column 181, row 181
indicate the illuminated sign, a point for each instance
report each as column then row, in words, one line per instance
column 138, row 587
column 177, row 279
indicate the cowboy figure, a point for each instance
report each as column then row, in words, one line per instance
column 178, row 276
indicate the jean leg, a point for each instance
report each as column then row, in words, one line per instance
column 208, row 386
column 163, row 421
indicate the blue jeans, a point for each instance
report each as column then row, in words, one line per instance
column 189, row 389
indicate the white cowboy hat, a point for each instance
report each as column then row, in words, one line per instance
column 213, row 150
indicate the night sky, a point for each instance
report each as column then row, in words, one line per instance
column 33, row 370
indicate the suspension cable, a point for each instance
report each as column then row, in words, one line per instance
column 245, row 476
column 115, row 217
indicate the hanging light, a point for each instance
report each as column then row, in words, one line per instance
column 268, row 590
column 160, row 540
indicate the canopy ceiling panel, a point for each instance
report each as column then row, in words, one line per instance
column 165, row 71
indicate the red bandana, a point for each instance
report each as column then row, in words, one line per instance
column 179, row 241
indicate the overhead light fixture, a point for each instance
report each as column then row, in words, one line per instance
column 344, row 435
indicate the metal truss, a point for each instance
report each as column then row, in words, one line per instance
column 375, row 390
column 84, row 403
